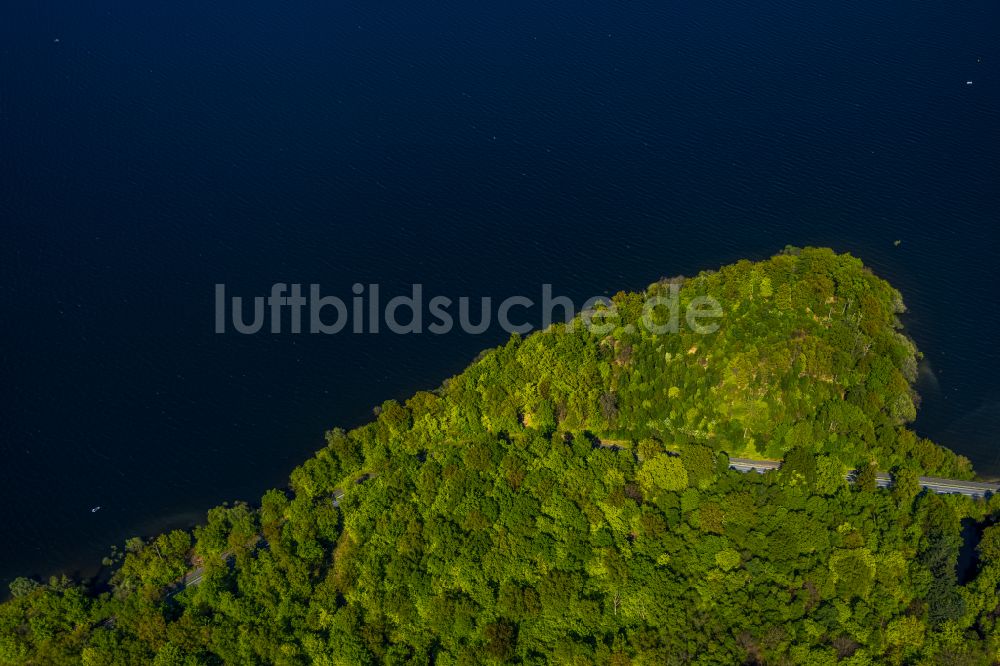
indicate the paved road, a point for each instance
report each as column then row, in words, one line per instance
column 196, row 575
column 192, row 578
column 940, row 486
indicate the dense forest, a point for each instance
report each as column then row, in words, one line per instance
column 567, row 499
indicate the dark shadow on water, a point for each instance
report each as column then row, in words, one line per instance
column 968, row 557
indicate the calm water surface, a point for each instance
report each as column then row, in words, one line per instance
column 147, row 153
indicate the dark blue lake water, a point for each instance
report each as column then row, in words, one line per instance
column 149, row 152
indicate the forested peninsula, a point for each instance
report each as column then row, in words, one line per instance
column 567, row 499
